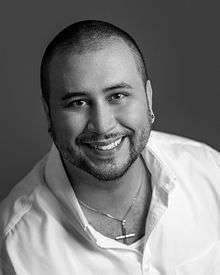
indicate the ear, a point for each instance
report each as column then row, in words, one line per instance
column 149, row 94
column 47, row 112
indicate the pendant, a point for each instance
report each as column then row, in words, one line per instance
column 124, row 235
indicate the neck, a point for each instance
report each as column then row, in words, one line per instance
column 111, row 196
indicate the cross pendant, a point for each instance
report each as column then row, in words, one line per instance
column 124, row 235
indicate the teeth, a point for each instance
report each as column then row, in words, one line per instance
column 109, row 146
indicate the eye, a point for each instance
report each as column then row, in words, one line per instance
column 118, row 97
column 78, row 103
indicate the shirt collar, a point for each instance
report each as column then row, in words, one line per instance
column 59, row 184
column 161, row 173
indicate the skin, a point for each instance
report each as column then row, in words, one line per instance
column 97, row 98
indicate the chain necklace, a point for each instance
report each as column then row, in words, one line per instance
column 122, row 221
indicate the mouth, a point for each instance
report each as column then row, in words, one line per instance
column 105, row 146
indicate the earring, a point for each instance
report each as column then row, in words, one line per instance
column 152, row 118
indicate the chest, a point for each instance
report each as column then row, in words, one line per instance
column 133, row 225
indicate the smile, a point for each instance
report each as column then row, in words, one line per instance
column 104, row 146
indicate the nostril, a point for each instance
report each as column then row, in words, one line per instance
column 101, row 127
column 101, row 121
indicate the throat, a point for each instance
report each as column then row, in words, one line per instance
column 109, row 196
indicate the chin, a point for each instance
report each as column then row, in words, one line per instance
column 108, row 171
column 108, row 174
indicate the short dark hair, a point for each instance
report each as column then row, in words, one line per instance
column 85, row 36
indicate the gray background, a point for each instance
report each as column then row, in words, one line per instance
column 180, row 40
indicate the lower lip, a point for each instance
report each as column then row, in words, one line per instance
column 104, row 153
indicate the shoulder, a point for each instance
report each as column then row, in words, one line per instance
column 171, row 139
column 185, row 155
column 19, row 201
column 177, row 146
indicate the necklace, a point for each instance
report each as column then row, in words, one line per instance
column 122, row 221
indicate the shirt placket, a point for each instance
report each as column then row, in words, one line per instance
column 158, row 207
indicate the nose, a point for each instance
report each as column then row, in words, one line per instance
column 102, row 119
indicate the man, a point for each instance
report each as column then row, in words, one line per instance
column 112, row 196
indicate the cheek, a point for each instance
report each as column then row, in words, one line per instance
column 135, row 115
column 68, row 124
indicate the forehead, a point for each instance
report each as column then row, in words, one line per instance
column 112, row 63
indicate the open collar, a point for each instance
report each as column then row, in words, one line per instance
column 162, row 179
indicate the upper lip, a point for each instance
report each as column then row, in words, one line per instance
column 103, row 142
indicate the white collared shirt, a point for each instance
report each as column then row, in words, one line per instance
column 43, row 230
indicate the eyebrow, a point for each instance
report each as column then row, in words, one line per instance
column 72, row 94
column 121, row 85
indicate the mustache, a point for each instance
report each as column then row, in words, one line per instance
column 93, row 137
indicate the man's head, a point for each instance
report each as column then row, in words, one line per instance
column 85, row 36
column 97, row 98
